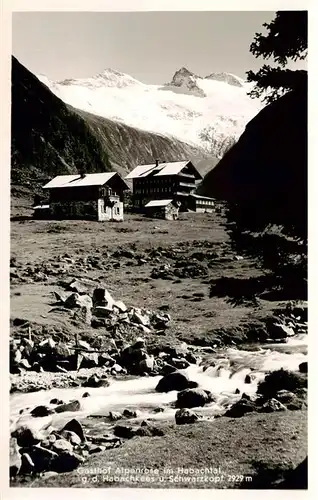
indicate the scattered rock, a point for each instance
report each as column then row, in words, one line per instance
column 175, row 381
column 62, row 445
column 124, row 431
column 26, row 437
column 180, row 363
column 43, row 458
column 77, row 301
column 56, row 401
column 278, row 331
column 67, row 461
column 75, row 426
column 130, row 413
column 24, row 363
column 159, row 409
column 192, row 398
column 41, row 411
column 70, row 436
column 95, row 381
column 184, row 416
column 102, row 297
column 93, row 448
column 71, row 406
column 139, row 343
column 15, row 457
column 272, row 405
column 86, row 395
column 147, row 365
column 27, row 466
column 303, row 367
column 240, row 408
column 167, row 368
column 285, row 396
column 114, row 415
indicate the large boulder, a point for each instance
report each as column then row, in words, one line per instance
column 67, row 461
column 75, row 426
column 43, row 458
column 175, row 381
column 147, row 365
column 41, row 411
column 124, row 431
column 303, row 367
column 95, row 381
column 71, row 406
column 285, row 396
column 240, row 408
column 184, row 416
column 61, row 445
column 192, row 398
column 272, row 405
column 78, row 301
column 26, row 436
column 102, row 297
column 72, row 437
column 166, row 368
column 27, row 465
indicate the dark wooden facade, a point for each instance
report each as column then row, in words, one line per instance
column 177, row 186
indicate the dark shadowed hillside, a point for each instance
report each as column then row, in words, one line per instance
column 51, row 138
column 46, row 137
column 265, row 172
column 127, row 146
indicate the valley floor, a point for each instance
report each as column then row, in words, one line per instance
column 122, row 257
column 196, row 318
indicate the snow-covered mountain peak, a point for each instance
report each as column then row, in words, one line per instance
column 107, row 78
column 229, row 78
column 187, row 81
column 200, row 111
column 181, row 74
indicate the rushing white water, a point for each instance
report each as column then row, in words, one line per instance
column 220, row 373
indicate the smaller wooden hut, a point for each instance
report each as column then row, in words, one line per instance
column 162, row 209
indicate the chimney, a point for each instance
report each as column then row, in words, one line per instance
column 157, row 163
column 82, row 174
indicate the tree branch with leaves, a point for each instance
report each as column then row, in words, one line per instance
column 286, row 40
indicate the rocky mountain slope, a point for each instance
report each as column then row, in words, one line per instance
column 185, row 108
column 50, row 138
column 128, row 146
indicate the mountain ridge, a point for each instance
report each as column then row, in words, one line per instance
column 49, row 137
column 183, row 108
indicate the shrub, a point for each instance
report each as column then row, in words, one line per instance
column 281, row 379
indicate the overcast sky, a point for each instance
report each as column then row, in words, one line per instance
column 150, row 46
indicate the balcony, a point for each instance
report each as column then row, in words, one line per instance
column 189, row 176
column 190, row 185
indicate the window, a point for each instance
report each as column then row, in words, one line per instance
column 117, row 210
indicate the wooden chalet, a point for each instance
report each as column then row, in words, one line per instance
column 174, row 181
column 98, row 196
column 161, row 181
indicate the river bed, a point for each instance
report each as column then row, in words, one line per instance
column 222, row 373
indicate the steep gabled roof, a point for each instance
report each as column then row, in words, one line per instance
column 99, row 179
column 170, row 168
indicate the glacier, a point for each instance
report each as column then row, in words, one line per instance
column 209, row 112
